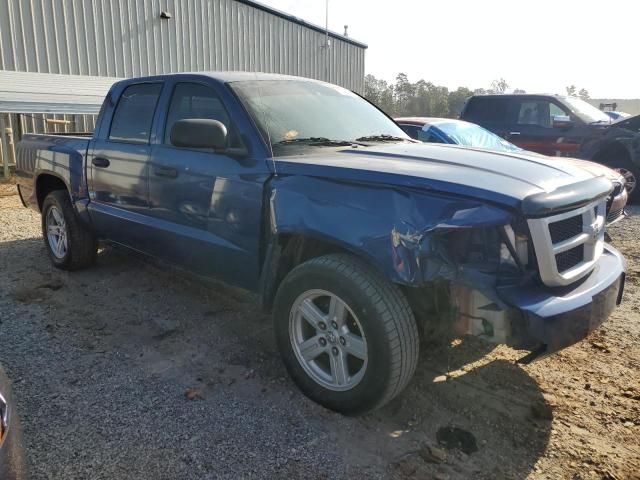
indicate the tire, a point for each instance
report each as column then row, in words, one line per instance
column 380, row 350
column 80, row 246
column 631, row 173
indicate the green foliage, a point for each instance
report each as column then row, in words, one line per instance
column 573, row 91
column 422, row 98
column 583, row 94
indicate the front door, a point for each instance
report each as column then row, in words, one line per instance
column 534, row 128
column 118, row 164
column 206, row 206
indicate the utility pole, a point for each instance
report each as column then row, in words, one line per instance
column 327, row 44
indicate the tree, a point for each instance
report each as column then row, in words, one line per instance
column 499, row 86
column 573, row 91
column 380, row 93
column 456, row 100
column 519, row 90
column 403, row 93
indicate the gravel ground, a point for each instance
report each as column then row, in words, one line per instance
column 129, row 370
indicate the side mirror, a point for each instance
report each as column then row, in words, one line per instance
column 563, row 122
column 199, row 133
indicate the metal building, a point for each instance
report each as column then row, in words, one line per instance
column 126, row 38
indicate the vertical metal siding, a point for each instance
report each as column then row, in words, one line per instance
column 125, row 38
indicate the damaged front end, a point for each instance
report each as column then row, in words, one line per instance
column 535, row 274
column 539, row 284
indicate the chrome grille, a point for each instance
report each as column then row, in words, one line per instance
column 568, row 245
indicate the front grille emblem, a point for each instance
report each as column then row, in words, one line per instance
column 593, row 231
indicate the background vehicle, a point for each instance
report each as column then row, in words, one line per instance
column 459, row 132
column 555, row 125
column 617, row 115
column 620, row 145
column 12, row 465
column 354, row 235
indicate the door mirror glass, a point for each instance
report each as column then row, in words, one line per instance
column 562, row 121
column 199, row 133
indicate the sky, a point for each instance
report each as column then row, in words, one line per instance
column 540, row 46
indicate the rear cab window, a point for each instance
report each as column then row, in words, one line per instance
column 133, row 116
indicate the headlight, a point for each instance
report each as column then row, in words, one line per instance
column 518, row 246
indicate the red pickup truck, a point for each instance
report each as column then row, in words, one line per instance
column 558, row 125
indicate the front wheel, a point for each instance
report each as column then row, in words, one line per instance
column 629, row 171
column 347, row 336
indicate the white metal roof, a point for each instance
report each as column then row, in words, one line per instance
column 27, row 92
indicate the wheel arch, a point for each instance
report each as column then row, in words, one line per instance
column 287, row 250
column 612, row 151
column 47, row 183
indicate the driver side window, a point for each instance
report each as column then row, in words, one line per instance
column 194, row 100
column 556, row 111
column 539, row 112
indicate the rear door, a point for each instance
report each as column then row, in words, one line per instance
column 205, row 206
column 491, row 112
column 118, row 164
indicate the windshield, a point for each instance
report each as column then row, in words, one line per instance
column 303, row 113
column 587, row 112
column 472, row 135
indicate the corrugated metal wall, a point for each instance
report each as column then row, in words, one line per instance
column 127, row 38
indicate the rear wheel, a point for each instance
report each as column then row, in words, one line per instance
column 347, row 336
column 69, row 244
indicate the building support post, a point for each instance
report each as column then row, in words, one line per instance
column 11, row 150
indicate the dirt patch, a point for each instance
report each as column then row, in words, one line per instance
column 131, row 370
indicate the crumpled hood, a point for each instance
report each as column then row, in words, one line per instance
column 506, row 178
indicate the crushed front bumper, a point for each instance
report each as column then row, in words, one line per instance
column 553, row 319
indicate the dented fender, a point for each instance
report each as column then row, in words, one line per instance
column 396, row 229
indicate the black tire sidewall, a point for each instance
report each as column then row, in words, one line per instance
column 377, row 375
column 50, row 201
column 630, row 166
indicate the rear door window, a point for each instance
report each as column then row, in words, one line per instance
column 133, row 116
column 485, row 110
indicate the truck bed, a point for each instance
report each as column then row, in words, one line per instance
column 62, row 156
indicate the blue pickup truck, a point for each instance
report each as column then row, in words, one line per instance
column 360, row 240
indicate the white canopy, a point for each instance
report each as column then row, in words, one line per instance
column 27, row 92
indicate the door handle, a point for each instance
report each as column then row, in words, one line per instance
column 514, row 133
column 167, row 172
column 100, row 162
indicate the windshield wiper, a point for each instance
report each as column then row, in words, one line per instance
column 316, row 142
column 382, row 138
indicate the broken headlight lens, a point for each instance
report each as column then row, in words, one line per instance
column 518, row 247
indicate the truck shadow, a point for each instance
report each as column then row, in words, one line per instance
column 487, row 419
